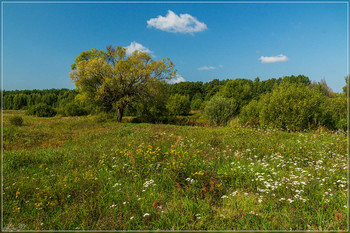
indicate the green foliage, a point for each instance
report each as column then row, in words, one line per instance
column 291, row 106
column 153, row 108
column 196, row 102
column 346, row 87
column 73, row 109
column 100, row 118
column 333, row 110
column 41, row 110
column 240, row 90
column 220, row 110
column 300, row 79
column 323, row 88
column 26, row 98
column 190, row 89
column 212, row 88
column 263, row 87
column 250, row 113
column 114, row 80
column 16, row 120
column 179, row 105
column 343, row 124
column 19, row 101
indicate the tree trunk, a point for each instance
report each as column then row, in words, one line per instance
column 120, row 114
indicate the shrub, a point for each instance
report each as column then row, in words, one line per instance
column 41, row 110
column 73, row 109
column 291, row 106
column 250, row 113
column 220, row 110
column 179, row 105
column 333, row 110
column 196, row 104
column 101, row 117
column 343, row 124
column 240, row 90
column 16, row 120
column 153, row 107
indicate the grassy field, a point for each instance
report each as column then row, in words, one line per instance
column 74, row 173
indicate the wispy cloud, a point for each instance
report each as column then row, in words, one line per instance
column 210, row 67
column 185, row 23
column 177, row 79
column 278, row 58
column 207, row 68
column 136, row 46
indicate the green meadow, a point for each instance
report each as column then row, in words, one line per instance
column 76, row 173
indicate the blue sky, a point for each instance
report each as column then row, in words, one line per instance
column 204, row 40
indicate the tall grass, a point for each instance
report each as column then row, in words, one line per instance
column 75, row 173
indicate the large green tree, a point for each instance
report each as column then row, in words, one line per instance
column 113, row 79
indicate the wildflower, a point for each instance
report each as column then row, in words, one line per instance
column 131, row 217
column 224, row 196
column 146, row 214
column 234, row 193
column 147, row 183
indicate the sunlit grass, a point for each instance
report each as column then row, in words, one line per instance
column 74, row 173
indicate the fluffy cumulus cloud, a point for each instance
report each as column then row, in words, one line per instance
column 177, row 79
column 207, row 68
column 185, row 23
column 136, row 46
column 278, row 58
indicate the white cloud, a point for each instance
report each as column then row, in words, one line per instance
column 207, row 68
column 278, row 58
column 184, row 23
column 177, row 79
column 136, row 46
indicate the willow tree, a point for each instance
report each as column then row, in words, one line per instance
column 114, row 79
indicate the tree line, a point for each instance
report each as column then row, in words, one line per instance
column 113, row 81
column 291, row 102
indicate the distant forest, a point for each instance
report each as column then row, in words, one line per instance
column 255, row 102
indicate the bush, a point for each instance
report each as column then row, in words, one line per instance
column 16, row 121
column 196, row 104
column 250, row 113
column 343, row 124
column 333, row 110
column 152, row 108
column 41, row 110
column 100, row 118
column 179, row 105
column 240, row 90
column 291, row 106
column 73, row 109
column 220, row 110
